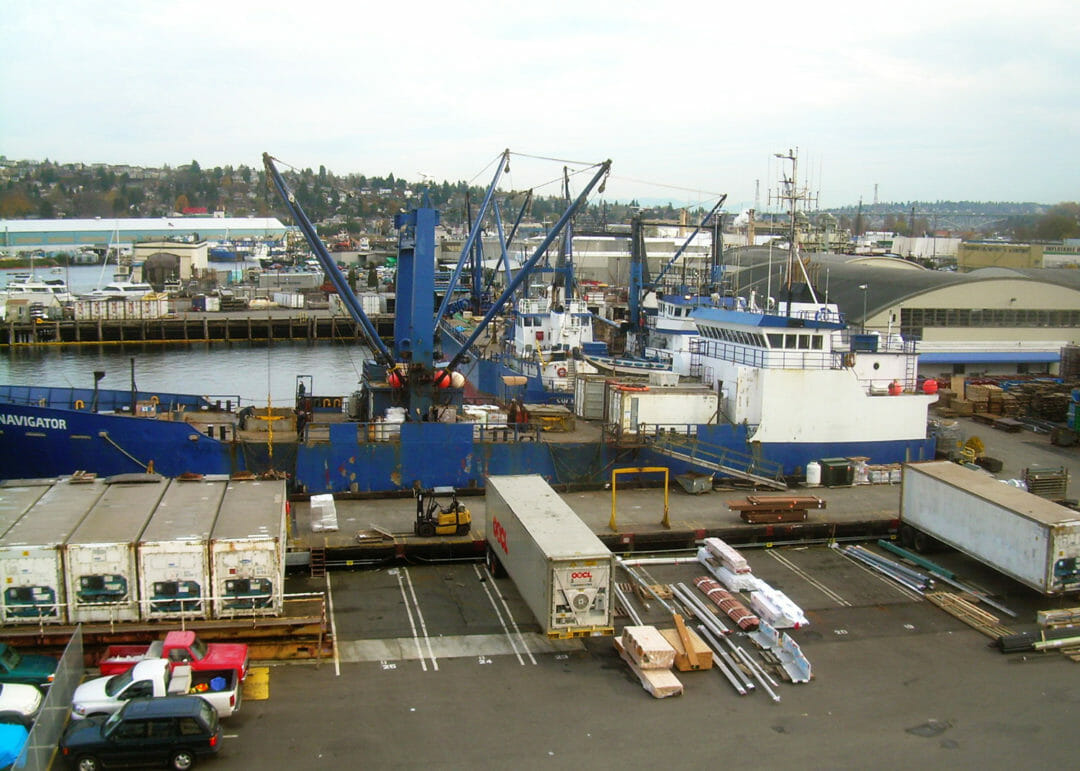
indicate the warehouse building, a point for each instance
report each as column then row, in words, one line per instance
column 66, row 235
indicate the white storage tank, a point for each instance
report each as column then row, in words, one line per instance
column 247, row 549
column 31, row 559
column 174, row 552
column 99, row 558
column 813, row 473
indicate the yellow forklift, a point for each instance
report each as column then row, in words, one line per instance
column 434, row 518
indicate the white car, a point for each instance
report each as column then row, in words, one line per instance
column 19, row 703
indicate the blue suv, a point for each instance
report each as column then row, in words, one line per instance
column 176, row 730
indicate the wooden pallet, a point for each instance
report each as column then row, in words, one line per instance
column 975, row 617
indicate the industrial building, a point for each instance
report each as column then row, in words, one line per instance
column 71, row 234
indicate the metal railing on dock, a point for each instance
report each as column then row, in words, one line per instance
column 190, row 328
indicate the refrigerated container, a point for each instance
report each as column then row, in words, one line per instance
column 101, row 574
column 247, row 549
column 562, row 570
column 1024, row 536
column 634, row 408
column 174, row 552
column 31, row 552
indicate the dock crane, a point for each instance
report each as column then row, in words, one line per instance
column 408, row 375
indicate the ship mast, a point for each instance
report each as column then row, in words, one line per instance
column 792, row 195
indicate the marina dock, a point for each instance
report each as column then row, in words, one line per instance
column 272, row 325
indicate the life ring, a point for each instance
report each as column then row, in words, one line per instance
column 80, row 404
column 154, row 400
column 561, row 372
column 849, row 359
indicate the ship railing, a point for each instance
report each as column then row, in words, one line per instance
column 380, row 432
column 679, row 442
column 762, row 358
column 275, row 604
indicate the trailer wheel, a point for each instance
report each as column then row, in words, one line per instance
column 907, row 536
column 922, row 542
column 494, row 566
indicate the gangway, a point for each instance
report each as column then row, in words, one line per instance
column 717, row 458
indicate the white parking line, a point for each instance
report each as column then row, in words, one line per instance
column 333, row 625
column 412, row 624
column 495, row 607
column 420, row 615
column 808, row 578
column 510, row 616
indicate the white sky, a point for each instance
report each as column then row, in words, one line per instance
column 956, row 100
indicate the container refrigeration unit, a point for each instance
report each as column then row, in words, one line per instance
column 247, row 549
column 31, row 552
column 562, row 570
column 99, row 557
column 174, row 552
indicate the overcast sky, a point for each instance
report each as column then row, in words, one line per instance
column 955, row 100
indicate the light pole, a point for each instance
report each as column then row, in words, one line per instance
column 863, row 288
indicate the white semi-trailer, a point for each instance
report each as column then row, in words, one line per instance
column 1024, row 536
column 562, row 570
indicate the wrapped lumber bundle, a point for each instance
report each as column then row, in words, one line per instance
column 728, row 603
column 729, row 557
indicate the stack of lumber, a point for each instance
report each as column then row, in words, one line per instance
column 692, row 654
column 651, row 657
column 782, row 508
column 979, row 396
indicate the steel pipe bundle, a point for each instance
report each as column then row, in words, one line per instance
column 905, row 576
column 728, row 603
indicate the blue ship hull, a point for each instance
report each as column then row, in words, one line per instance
column 47, row 441
column 43, row 435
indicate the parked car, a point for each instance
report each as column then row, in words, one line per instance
column 173, row 730
column 12, row 740
column 19, row 703
column 26, row 668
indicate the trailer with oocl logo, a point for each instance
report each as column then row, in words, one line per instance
column 562, row 570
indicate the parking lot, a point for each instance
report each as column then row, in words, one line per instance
column 439, row 665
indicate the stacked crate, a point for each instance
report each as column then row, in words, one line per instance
column 979, row 396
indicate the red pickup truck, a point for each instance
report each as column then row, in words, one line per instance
column 179, row 648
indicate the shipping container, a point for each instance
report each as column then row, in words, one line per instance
column 640, row 408
column 101, row 574
column 562, row 570
column 589, row 396
column 17, row 497
column 174, row 552
column 247, row 549
column 1024, row 536
column 289, row 299
column 31, row 558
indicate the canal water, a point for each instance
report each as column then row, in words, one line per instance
column 252, row 372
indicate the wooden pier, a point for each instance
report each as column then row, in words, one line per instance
column 231, row 327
